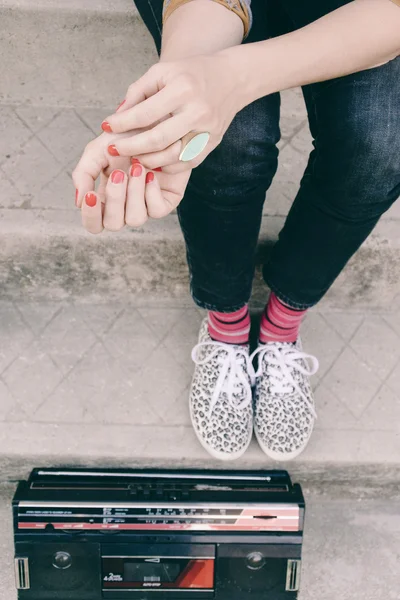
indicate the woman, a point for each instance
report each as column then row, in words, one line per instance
column 208, row 82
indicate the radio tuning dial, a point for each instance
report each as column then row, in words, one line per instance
column 62, row 560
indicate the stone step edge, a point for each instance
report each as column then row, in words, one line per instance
column 38, row 222
column 157, row 446
column 80, row 263
column 106, row 6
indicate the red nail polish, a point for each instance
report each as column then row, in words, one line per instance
column 113, row 151
column 135, row 160
column 149, row 177
column 123, row 102
column 76, row 197
column 159, row 169
column 106, row 126
column 136, row 170
column 91, row 199
column 117, row 176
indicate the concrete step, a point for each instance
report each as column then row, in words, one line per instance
column 350, row 548
column 48, row 255
column 71, row 53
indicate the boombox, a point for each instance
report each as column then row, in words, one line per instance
column 151, row 535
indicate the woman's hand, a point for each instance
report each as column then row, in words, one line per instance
column 176, row 100
column 128, row 194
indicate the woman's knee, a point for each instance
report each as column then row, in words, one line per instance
column 246, row 160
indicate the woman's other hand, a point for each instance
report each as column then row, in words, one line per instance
column 128, row 194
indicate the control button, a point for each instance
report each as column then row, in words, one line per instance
column 62, row 560
column 255, row 561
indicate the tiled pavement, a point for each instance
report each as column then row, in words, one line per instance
column 123, row 372
column 40, row 146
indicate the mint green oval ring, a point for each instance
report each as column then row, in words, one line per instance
column 194, row 147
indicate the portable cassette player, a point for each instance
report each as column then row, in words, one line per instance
column 92, row 535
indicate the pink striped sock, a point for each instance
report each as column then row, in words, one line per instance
column 279, row 322
column 230, row 328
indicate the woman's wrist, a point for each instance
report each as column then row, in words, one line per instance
column 358, row 36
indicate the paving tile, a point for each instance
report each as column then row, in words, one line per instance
column 65, row 405
column 38, row 314
column 130, row 338
column 322, row 341
column 183, row 337
column 15, row 336
column 377, row 345
column 352, row 381
column 94, row 117
column 384, row 412
column 286, row 183
column 173, row 443
column 31, row 377
column 57, row 194
column 118, row 400
column 9, row 195
column 393, row 212
column 333, row 446
column 380, row 446
column 332, row 414
column 393, row 320
column 293, row 112
column 180, row 413
column 66, row 338
column 36, row 117
column 31, row 168
column 100, row 317
column 161, row 320
column 13, row 133
column 393, row 381
column 345, row 324
column 66, row 136
column 160, row 383
column 302, row 141
column 6, row 401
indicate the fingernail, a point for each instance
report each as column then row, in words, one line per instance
column 159, row 169
column 117, row 176
column 106, row 127
column 90, row 199
column 149, row 177
column 76, row 197
column 134, row 160
column 119, row 106
column 113, row 151
column 136, row 170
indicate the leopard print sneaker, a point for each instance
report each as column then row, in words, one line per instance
column 284, row 404
column 221, row 405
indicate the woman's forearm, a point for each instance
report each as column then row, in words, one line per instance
column 200, row 27
column 355, row 37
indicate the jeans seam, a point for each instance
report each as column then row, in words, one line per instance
column 155, row 18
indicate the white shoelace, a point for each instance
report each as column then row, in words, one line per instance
column 231, row 376
column 281, row 364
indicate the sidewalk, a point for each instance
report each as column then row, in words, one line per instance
column 106, row 384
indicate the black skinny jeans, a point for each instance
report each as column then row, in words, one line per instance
column 352, row 177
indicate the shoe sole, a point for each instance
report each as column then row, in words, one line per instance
column 277, row 456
